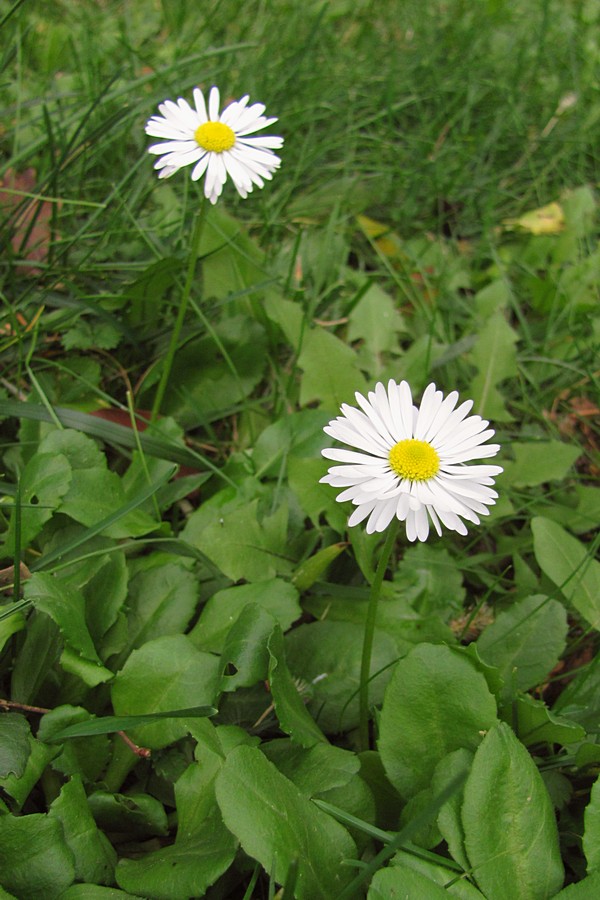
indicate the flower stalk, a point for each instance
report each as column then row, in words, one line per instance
column 183, row 305
column 369, row 634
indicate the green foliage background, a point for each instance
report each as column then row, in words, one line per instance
column 182, row 620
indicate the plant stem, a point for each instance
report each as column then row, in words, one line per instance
column 183, row 303
column 367, row 649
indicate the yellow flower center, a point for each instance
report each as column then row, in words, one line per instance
column 415, row 460
column 214, row 137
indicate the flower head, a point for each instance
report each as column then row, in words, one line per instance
column 411, row 462
column 215, row 143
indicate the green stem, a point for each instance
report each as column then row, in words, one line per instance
column 183, row 304
column 367, row 649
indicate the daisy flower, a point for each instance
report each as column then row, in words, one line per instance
column 215, row 144
column 412, row 461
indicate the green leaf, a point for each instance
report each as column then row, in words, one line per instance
column 88, row 756
column 239, row 543
column 277, row 597
column 431, row 579
column 162, row 598
column 331, row 370
column 510, row 831
column 185, row 869
column 94, row 856
column 494, row 357
column 439, row 873
column 584, row 890
column 19, row 788
column 538, row 462
column 591, row 834
column 315, row 498
column 536, row 724
column 34, row 858
column 178, row 871
column 400, row 881
column 449, row 817
column 14, row 744
column 95, row 892
column 40, row 651
column 209, row 386
column 165, row 674
column 525, row 642
column 289, row 706
column 425, row 715
column 65, row 606
column 313, row 568
column 137, row 815
column 315, row 769
column 94, row 492
column 326, row 656
column 580, row 700
column 278, row 826
column 44, row 483
column 376, row 321
column 245, row 657
column 568, row 563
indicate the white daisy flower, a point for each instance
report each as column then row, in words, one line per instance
column 411, row 462
column 215, row 144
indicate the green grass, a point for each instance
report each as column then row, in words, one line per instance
column 393, row 243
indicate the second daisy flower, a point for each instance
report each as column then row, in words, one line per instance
column 216, row 144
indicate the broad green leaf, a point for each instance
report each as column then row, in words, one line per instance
column 209, row 385
column 426, row 835
column 95, row 892
column 315, row 498
column 14, row 744
column 35, row 861
column 331, row 372
column 277, row 597
column 177, row 871
column 183, row 870
column 315, row 769
column 162, row 597
column 242, row 545
column 40, row 651
column 439, row 873
column 377, row 322
column 449, row 817
column 591, row 833
column 494, row 357
column 87, row 757
column 326, row 656
column 525, row 642
column 93, row 854
column 536, row 462
column 135, row 814
column 10, row 625
column 585, row 889
column 580, row 700
column 299, row 434
column 431, row 580
column 100, row 576
column 400, row 881
column 278, row 826
column 65, row 606
column 165, row 674
column 510, row 831
column 245, row 657
column 568, row 563
column 94, row 491
column 19, row 788
column 536, row 724
column 425, row 715
column 292, row 714
column 44, row 483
